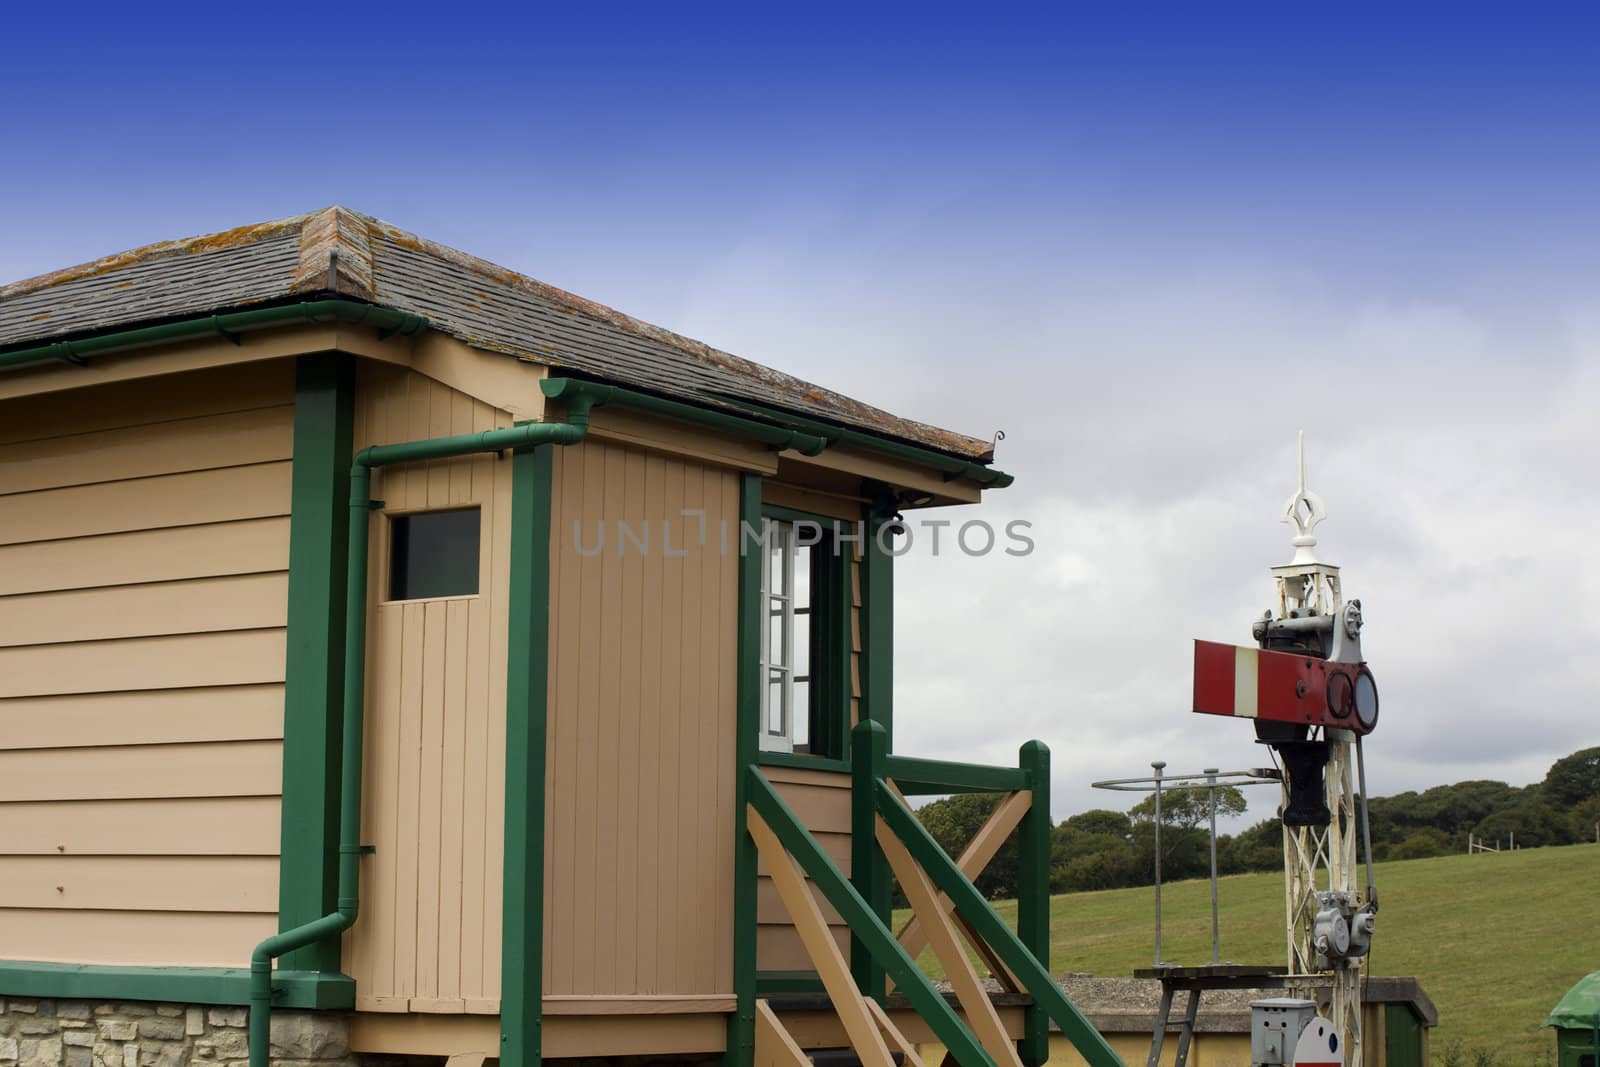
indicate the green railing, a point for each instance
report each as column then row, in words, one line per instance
column 871, row 932
column 863, row 900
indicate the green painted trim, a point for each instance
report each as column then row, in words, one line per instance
column 801, row 761
column 741, row 1045
column 864, row 923
column 1033, row 974
column 308, row 865
column 877, row 631
column 175, row 985
column 951, row 466
column 1033, row 896
column 770, row 982
column 827, row 522
column 527, row 698
column 775, row 437
column 389, row 321
column 869, row 870
column 951, row 777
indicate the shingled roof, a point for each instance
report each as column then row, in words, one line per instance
column 341, row 252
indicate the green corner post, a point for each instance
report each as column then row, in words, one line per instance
column 869, row 870
column 741, row 1047
column 324, row 407
column 1033, row 897
column 527, row 696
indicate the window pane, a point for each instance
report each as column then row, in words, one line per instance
column 777, row 648
column 801, row 651
column 433, row 554
column 802, row 716
column 802, row 576
column 775, row 709
column 777, row 548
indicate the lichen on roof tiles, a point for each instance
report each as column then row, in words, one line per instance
column 343, row 252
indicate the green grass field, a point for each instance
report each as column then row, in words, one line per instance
column 1494, row 939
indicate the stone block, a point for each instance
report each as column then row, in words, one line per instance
column 77, row 1038
column 194, row 1022
column 44, row 1052
column 228, row 1016
column 27, row 1007
column 130, row 1054
column 79, row 1057
column 74, row 1009
column 8, row 1049
column 117, row 1030
column 309, row 1036
column 38, row 1026
column 171, row 1011
column 225, row 1044
column 159, row 1028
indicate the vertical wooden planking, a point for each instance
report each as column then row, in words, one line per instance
column 629, row 567
column 670, row 855
column 636, row 849
column 609, row 714
column 651, row 622
column 495, row 812
column 451, row 801
column 727, row 702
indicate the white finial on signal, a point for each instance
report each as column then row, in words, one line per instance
column 1303, row 511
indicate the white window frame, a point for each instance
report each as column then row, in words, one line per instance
column 779, row 736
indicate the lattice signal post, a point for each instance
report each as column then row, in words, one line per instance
column 1312, row 698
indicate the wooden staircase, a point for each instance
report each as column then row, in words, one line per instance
column 948, row 914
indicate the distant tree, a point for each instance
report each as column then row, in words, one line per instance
column 1260, row 848
column 1098, row 821
column 1421, row 845
column 1573, row 779
column 1585, row 820
column 954, row 820
column 1533, row 821
column 1184, row 845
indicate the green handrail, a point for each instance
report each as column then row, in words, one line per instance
column 993, row 929
column 917, row 776
column 868, row 929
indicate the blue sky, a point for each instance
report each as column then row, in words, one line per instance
column 1148, row 243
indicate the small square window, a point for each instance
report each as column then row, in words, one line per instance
column 433, row 554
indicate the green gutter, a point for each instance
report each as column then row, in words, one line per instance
column 954, row 468
column 525, row 435
column 777, row 437
column 228, row 326
column 808, row 436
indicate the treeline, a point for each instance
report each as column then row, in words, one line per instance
column 1103, row 849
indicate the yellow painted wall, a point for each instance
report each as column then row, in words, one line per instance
column 428, row 937
column 639, row 802
column 144, row 539
column 821, row 800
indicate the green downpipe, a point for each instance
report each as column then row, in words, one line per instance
column 229, row 326
column 355, row 649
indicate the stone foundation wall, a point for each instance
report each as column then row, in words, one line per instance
column 87, row 1033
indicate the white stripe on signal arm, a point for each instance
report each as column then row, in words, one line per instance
column 1246, row 678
